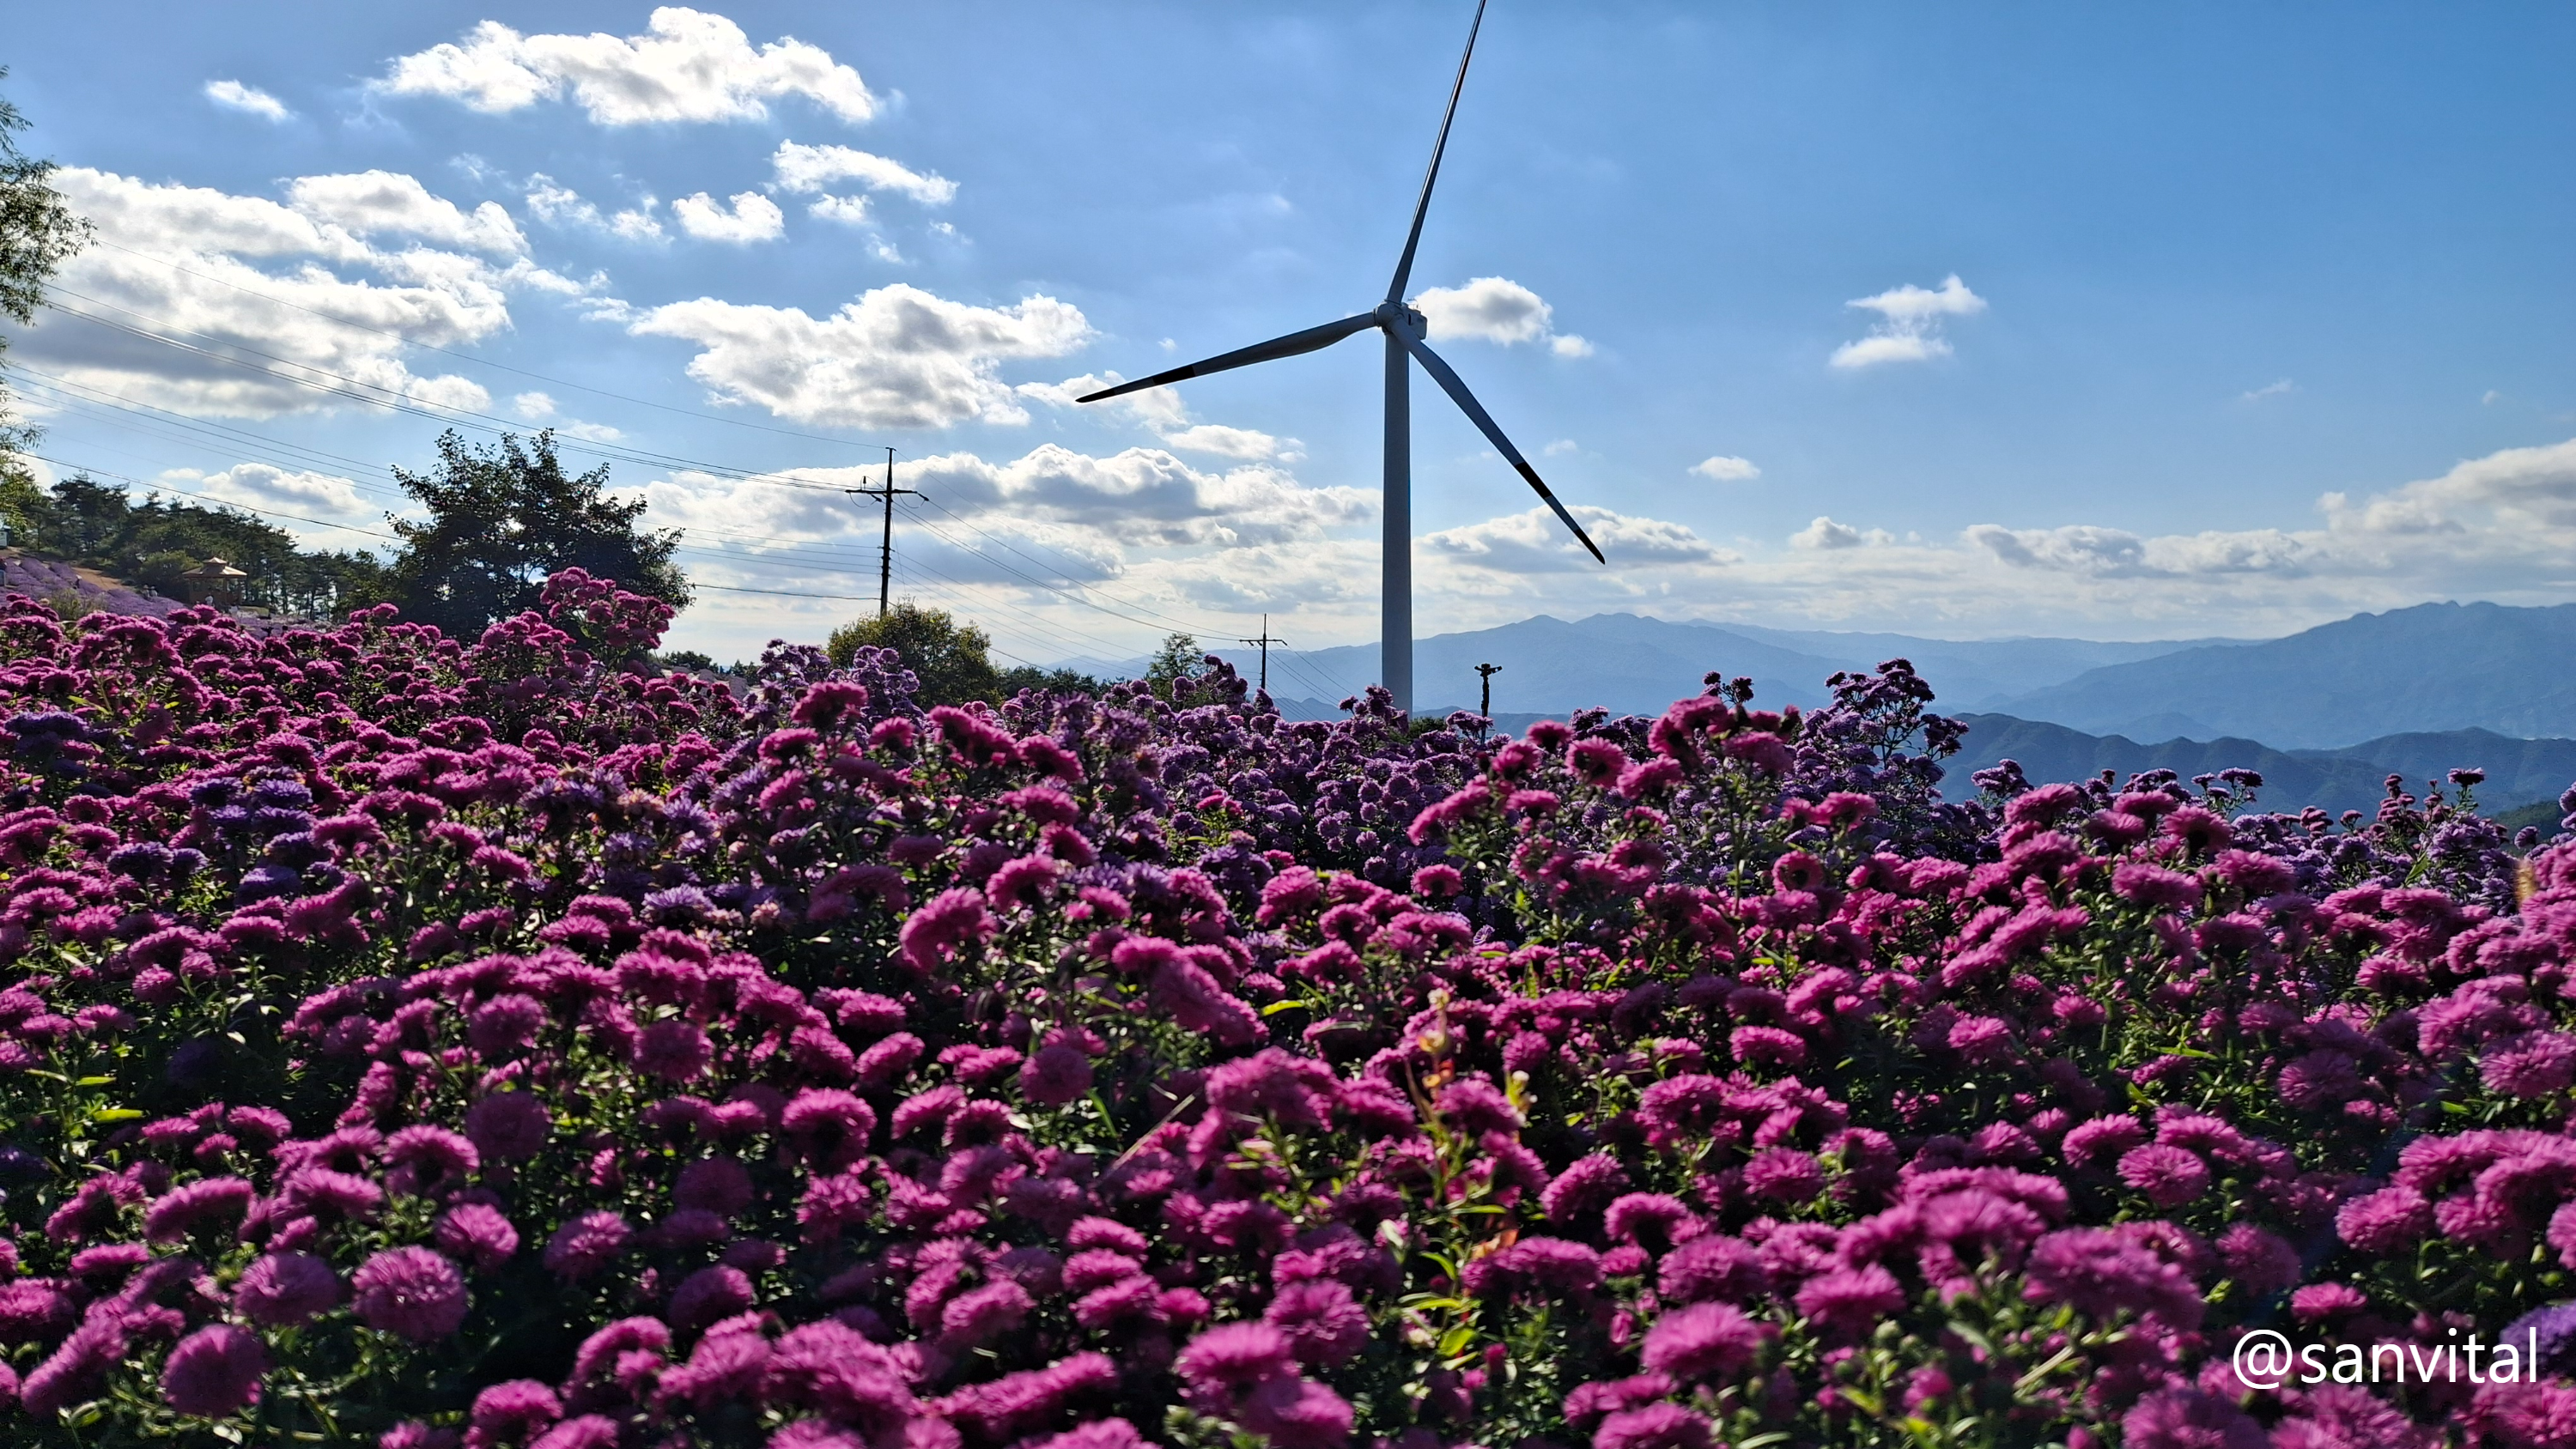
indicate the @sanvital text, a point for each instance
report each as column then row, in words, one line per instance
column 2267, row 1359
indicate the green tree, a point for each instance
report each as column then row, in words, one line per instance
column 1058, row 681
column 501, row 519
column 1175, row 667
column 38, row 233
column 152, row 543
column 947, row 654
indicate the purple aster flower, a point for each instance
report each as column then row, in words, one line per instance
column 2102, row 1272
column 1713, row 1268
column 281, row 1290
column 980, row 1315
column 675, row 1051
column 834, row 1370
column 2189, row 1419
column 213, row 1201
column 1296, row 1413
column 425, row 1157
column 1585, row 1187
column 1767, row 1046
column 1702, row 1341
column 509, row 1412
column 589, row 1431
column 1057, row 1074
column 1231, row 1357
column 413, row 1292
column 2169, row 1176
column 709, row 1294
column 214, row 1371
column 1784, row 1175
column 1325, row 1325
column 587, row 1244
column 478, row 1233
column 1654, row 1426
column 509, row 1126
column 2530, row 1064
column 1544, row 1264
column 1851, row 1300
column 2264, row 1262
column 502, row 1025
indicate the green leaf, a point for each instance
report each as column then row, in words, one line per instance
column 114, row 1114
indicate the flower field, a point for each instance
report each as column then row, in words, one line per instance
column 504, row 1044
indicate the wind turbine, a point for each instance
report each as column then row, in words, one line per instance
column 1404, row 329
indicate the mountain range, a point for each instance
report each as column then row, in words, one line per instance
column 2325, row 714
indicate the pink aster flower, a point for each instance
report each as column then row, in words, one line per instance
column 413, row 1292
column 214, row 1371
column 1702, row 1341
column 2169, row 1176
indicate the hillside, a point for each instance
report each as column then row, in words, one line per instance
column 2519, row 772
column 1628, row 663
column 2432, row 668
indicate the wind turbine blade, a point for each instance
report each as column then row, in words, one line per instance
column 1277, row 347
column 1476, row 414
column 1413, row 238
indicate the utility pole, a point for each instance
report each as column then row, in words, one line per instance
column 885, row 554
column 1485, row 677
column 1265, row 641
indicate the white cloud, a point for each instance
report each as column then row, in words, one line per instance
column 1909, row 325
column 896, row 357
column 688, row 66
column 1224, row 441
column 1726, row 469
column 808, row 169
column 533, row 407
column 376, row 203
column 232, row 95
column 752, row 218
column 559, row 205
column 1162, row 412
column 1536, row 541
column 1096, row 507
column 2269, row 389
column 1825, row 533
column 270, row 277
column 1560, row 448
column 590, row 432
column 260, row 485
column 1498, row 310
column 847, row 210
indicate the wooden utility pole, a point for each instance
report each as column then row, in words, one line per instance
column 1485, row 677
column 1265, row 641
column 885, row 552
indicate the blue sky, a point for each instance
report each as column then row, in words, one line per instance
column 2261, row 315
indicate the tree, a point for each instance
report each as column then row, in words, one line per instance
column 153, row 543
column 501, row 519
column 948, row 656
column 38, row 233
column 1175, row 667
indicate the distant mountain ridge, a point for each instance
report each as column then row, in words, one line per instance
column 2434, row 669
column 1629, row 663
column 2518, row 772
column 2429, row 669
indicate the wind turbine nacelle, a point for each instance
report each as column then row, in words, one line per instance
column 1401, row 319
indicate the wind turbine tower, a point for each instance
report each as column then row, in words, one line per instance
column 1404, row 329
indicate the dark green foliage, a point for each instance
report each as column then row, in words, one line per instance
column 501, row 519
column 151, row 543
column 1054, row 681
column 38, row 232
column 947, row 655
